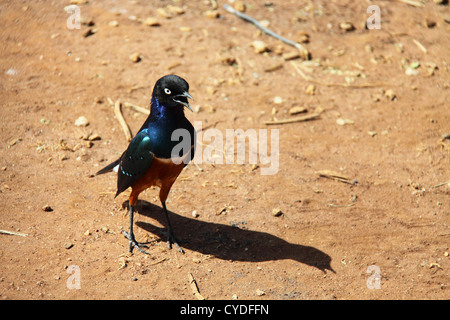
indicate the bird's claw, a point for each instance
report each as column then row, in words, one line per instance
column 134, row 244
column 171, row 240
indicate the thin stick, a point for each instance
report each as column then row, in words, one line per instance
column 304, row 52
column 335, row 175
column 13, row 233
column 345, row 181
column 297, row 119
column 157, row 262
column 198, row 167
column 106, row 193
column 121, row 119
column 137, row 108
column 421, row 46
column 412, row 3
column 439, row 185
column 341, row 206
column 194, row 287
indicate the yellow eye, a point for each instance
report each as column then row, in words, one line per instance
column 167, row 91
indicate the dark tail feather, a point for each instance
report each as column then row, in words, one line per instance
column 108, row 168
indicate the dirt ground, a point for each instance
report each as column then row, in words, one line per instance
column 383, row 98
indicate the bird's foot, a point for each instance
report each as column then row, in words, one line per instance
column 133, row 243
column 171, row 240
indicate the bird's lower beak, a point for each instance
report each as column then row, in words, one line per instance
column 183, row 99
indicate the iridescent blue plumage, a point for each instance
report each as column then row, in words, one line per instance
column 144, row 163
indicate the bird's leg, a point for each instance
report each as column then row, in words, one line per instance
column 170, row 236
column 130, row 235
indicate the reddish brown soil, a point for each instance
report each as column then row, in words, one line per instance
column 330, row 232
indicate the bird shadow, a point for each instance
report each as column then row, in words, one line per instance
column 230, row 242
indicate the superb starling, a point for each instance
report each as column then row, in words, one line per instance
column 155, row 157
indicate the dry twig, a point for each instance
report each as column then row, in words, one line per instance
column 121, row 119
column 412, row 3
column 304, row 52
column 336, row 176
column 13, row 233
column 439, row 185
column 194, row 287
column 341, row 206
column 296, row 119
column 137, row 108
column 157, row 262
column 420, row 46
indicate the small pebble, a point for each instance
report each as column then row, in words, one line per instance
column 429, row 23
column 68, row 245
column 89, row 32
column 368, row 48
column 260, row 292
column 346, row 26
column 277, row 212
column 185, row 29
column 152, row 22
column 94, row 137
column 175, row 9
column 297, row 110
column 47, row 208
column 212, row 14
column 278, row 100
column 135, row 57
column 304, row 37
column 163, row 13
column 113, row 23
column 411, row 71
column 11, row 72
column 240, row 6
column 259, row 46
column 343, row 122
column 310, row 90
column 390, row 94
column 81, row 122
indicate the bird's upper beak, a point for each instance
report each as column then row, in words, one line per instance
column 183, row 99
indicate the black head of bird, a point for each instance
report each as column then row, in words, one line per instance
column 172, row 92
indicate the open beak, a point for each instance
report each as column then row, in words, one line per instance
column 183, row 99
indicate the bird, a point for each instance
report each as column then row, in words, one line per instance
column 154, row 157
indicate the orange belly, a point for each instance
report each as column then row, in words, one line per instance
column 162, row 173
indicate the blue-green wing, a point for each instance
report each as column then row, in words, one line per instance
column 135, row 161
